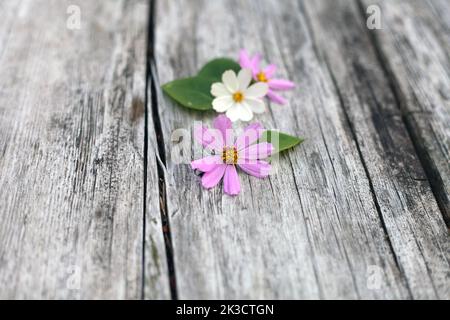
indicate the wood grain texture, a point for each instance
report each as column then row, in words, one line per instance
column 72, row 106
column 414, row 46
column 411, row 216
column 89, row 173
column 343, row 208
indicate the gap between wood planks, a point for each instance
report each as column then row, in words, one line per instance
column 150, row 81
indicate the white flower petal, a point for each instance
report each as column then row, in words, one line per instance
column 218, row 89
column 257, row 90
column 246, row 112
column 233, row 113
column 230, row 81
column 244, row 78
column 256, row 105
column 223, row 103
column 239, row 111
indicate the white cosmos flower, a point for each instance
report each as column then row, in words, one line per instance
column 236, row 98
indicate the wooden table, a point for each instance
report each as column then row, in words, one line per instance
column 92, row 204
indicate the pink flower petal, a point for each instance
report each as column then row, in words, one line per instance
column 270, row 70
column 244, row 59
column 206, row 164
column 260, row 169
column 250, row 135
column 231, row 184
column 211, row 178
column 255, row 151
column 276, row 98
column 223, row 124
column 255, row 61
column 209, row 138
column 280, row 84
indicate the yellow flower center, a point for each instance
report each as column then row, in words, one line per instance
column 261, row 77
column 229, row 155
column 238, row 96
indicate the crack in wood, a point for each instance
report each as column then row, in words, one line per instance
column 366, row 170
column 433, row 174
column 351, row 128
column 161, row 156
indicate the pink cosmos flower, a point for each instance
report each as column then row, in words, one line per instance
column 265, row 75
column 228, row 154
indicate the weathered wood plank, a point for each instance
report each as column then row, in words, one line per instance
column 72, row 106
column 412, row 219
column 331, row 221
column 415, row 48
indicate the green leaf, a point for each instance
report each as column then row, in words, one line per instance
column 194, row 92
column 281, row 141
column 215, row 68
column 191, row 92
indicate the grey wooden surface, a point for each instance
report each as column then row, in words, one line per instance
column 352, row 199
column 93, row 205
column 414, row 50
column 72, row 108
